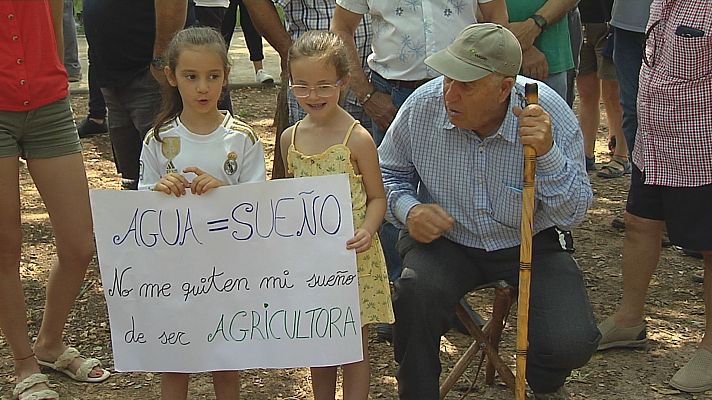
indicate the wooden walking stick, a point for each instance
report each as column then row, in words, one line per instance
column 531, row 94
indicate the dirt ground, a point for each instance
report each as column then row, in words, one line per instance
column 675, row 309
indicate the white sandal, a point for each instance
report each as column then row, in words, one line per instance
column 82, row 374
column 28, row 383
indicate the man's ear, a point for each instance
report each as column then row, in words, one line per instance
column 505, row 88
column 170, row 76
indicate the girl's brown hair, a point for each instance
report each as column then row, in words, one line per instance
column 324, row 45
column 172, row 104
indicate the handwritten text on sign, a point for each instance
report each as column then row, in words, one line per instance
column 247, row 276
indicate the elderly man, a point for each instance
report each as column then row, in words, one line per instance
column 452, row 164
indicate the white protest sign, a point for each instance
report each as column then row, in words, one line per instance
column 249, row 276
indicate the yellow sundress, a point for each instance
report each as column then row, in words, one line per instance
column 374, row 290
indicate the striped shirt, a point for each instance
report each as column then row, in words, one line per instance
column 673, row 145
column 427, row 159
column 305, row 15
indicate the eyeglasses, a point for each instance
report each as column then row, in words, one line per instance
column 326, row 90
column 650, row 62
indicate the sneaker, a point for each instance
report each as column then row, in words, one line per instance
column 73, row 78
column 88, row 128
column 560, row 394
column 696, row 375
column 613, row 337
column 263, row 78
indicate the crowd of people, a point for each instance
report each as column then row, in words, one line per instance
column 423, row 108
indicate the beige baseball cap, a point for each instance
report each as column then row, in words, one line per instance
column 479, row 50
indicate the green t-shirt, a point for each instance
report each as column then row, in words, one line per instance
column 554, row 42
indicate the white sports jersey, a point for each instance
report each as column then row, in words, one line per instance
column 232, row 153
column 212, row 3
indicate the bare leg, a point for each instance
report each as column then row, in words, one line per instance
column 13, row 312
column 357, row 375
column 324, row 382
column 614, row 112
column 641, row 253
column 226, row 385
column 62, row 184
column 174, row 386
column 589, row 89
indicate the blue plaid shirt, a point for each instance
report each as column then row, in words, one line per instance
column 427, row 159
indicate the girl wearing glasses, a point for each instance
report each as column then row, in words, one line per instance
column 330, row 141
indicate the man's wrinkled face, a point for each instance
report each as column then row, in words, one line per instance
column 471, row 105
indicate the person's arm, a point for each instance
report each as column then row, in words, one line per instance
column 400, row 177
column 57, row 10
column 563, row 190
column 377, row 105
column 534, row 64
column 365, row 156
column 425, row 222
column 367, row 161
column 170, row 18
column 552, row 11
column 266, row 19
column 494, row 11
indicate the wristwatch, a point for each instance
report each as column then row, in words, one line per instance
column 158, row 62
column 540, row 21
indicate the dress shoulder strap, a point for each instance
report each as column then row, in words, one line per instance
column 294, row 131
column 348, row 133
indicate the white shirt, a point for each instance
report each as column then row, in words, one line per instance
column 212, row 3
column 231, row 153
column 405, row 32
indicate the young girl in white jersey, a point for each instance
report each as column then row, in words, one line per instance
column 329, row 141
column 194, row 146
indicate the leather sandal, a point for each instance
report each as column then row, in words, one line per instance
column 617, row 167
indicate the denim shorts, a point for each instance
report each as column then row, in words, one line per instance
column 48, row 131
column 685, row 210
column 593, row 57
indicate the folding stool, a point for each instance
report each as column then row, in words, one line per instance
column 486, row 339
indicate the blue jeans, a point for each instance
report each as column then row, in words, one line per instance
column 628, row 58
column 132, row 111
column 562, row 330
column 398, row 95
column 389, row 233
column 71, row 50
column 558, row 82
